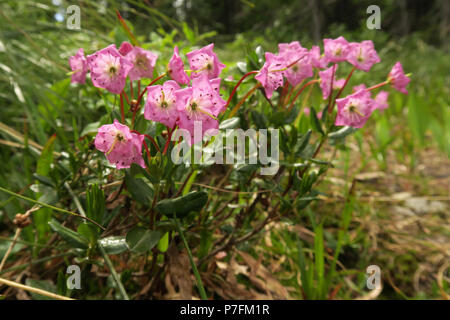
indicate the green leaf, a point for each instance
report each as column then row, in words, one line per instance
column 319, row 260
column 302, row 142
column 341, row 133
column 95, row 203
column 315, row 123
column 230, row 123
column 141, row 240
column 242, row 66
column 139, row 189
column 189, row 183
column 306, row 285
column 61, row 284
column 91, row 128
column 88, row 231
column 71, row 237
column 291, row 115
column 320, row 162
column 182, row 206
column 260, row 53
column 190, row 35
column 4, row 245
column 43, row 285
column 137, row 171
column 46, row 158
column 114, row 244
column 259, row 119
column 44, row 180
column 163, row 243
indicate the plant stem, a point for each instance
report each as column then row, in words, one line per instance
column 149, row 157
column 126, row 97
column 152, row 213
column 127, row 30
column 300, row 91
column 122, row 112
column 145, row 90
column 169, row 137
column 237, row 85
column 331, row 88
column 50, row 206
column 113, row 272
column 149, row 138
column 25, row 265
column 201, row 289
column 34, row 290
column 131, row 90
column 11, row 246
column 236, row 107
column 283, row 93
column 377, row 86
column 342, row 89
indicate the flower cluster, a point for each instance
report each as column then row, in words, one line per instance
column 109, row 67
column 295, row 64
column 200, row 100
column 170, row 103
column 194, row 95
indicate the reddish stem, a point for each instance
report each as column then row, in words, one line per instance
column 149, row 138
column 342, row 89
column 286, row 100
column 122, row 112
column 237, row 85
column 331, row 88
column 377, row 86
column 135, row 109
column 126, row 97
column 169, row 138
column 145, row 90
column 127, row 30
column 300, row 91
column 149, row 157
column 131, row 90
column 283, row 93
column 248, row 94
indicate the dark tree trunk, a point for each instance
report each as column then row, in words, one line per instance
column 316, row 30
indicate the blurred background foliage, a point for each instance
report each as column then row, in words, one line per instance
column 37, row 99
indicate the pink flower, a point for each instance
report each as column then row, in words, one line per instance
column 120, row 146
column 325, row 81
column 160, row 105
column 361, row 86
column 202, row 103
column 205, row 61
column 218, row 103
column 338, row 83
column 176, row 68
column 336, row 50
column 299, row 61
column 109, row 69
column 362, row 55
column 317, row 60
column 125, row 47
column 398, row 79
column 143, row 63
column 354, row 110
column 271, row 74
column 381, row 100
column 78, row 65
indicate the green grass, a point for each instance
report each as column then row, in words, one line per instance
column 38, row 101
